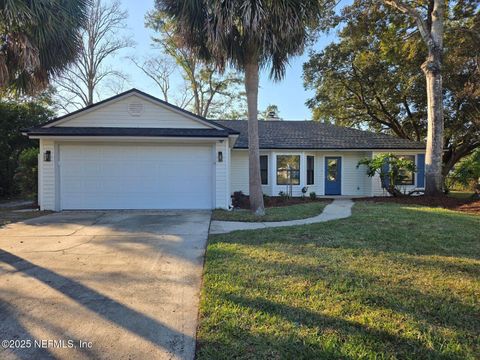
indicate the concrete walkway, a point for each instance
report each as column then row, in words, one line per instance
column 338, row 209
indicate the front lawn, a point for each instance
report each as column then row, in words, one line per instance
column 279, row 213
column 392, row 282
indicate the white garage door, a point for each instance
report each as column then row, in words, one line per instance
column 135, row 177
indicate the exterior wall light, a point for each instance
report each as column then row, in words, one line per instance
column 220, row 156
column 47, row 156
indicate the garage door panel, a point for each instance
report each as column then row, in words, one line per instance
column 135, row 177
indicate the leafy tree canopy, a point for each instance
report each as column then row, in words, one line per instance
column 271, row 112
column 467, row 172
column 16, row 115
column 371, row 77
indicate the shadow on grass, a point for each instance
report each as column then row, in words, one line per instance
column 367, row 288
column 370, row 265
column 288, row 346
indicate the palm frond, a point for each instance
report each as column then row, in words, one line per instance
column 42, row 38
column 233, row 32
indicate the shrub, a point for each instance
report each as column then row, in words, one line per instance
column 239, row 200
column 466, row 174
column 283, row 195
column 304, row 191
column 266, row 199
column 389, row 167
column 26, row 174
column 313, row 195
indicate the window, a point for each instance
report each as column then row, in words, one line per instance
column 332, row 169
column 310, row 170
column 288, row 170
column 264, row 169
column 406, row 177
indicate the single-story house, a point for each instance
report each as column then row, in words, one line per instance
column 134, row 151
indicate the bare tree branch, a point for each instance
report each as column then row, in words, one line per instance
column 160, row 70
column 208, row 92
column 82, row 82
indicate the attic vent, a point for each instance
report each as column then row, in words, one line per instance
column 135, row 109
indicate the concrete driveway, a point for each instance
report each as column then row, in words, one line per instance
column 102, row 285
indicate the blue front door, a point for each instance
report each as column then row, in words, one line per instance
column 333, row 176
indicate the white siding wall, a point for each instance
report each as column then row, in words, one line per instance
column 239, row 172
column 355, row 182
column 376, row 182
column 47, row 192
column 222, row 176
column 116, row 115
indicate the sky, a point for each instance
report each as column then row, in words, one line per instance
column 289, row 94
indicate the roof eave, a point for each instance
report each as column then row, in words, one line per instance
column 334, row 148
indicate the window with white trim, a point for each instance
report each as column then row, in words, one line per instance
column 264, row 169
column 288, row 169
column 406, row 177
column 310, row 170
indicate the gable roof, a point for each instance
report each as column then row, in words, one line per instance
column 315, row 135
column 133, row 91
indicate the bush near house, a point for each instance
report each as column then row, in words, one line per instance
column 391, row 169
column 466, row 174
column 26, row 175
column 15, row 116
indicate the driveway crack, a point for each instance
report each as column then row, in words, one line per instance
column 64, row 249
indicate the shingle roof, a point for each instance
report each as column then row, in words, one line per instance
column 114, row 131
column 273, row 135
column 315, row 135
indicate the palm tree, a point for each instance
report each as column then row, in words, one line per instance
column 248, row 35
column 37, row 40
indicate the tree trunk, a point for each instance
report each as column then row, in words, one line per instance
column 433, row 74
column 433, row 157
column 255, row 184
column 90, row 93
column 431, row 31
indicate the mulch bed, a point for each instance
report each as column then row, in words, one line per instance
column 275, row 201
column 465, row 205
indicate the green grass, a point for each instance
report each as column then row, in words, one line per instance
column 279, row 213
column 11, row 216
column 391, row 282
